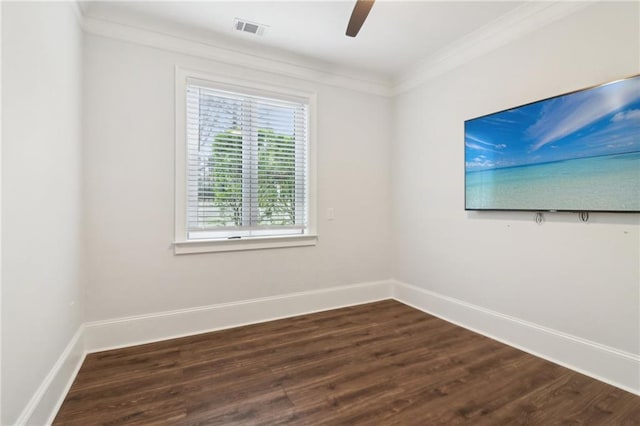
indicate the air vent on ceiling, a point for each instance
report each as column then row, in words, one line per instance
column 249, row 27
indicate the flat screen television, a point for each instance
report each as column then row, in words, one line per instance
column 577, row 152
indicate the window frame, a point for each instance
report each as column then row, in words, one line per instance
column 181, row 244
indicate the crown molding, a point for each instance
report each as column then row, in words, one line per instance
column 513, row 25
column 507, row 28
column 304, row 70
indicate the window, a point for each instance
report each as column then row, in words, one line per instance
column 242, row 167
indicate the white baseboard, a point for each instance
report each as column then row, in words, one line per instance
column 129, row 331
column 604, row 363
column 609, row 365
column 121, row 332
column 44, row 404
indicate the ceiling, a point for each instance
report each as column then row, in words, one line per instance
column 395, row 36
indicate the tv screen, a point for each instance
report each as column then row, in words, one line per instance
column 574, row 152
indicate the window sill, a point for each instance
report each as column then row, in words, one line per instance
column 251, row 243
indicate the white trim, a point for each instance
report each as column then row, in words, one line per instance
column 140, row 329
column 251, row 243
column 129, row 331
column 45, row 403
column 515, row 24
column 604, row 363
column 182, row 246
column 188, row 45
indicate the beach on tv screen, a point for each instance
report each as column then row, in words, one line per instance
column 574, row 152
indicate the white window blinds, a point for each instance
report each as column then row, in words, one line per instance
column 246, row 164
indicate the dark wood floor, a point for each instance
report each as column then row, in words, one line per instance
column 377, row 364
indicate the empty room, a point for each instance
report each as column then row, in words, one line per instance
column 320, row 212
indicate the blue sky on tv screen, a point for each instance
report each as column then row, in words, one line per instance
column 601, row 121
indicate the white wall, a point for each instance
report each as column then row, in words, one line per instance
column 384, row 166
column 129, row 160
column 41, row 189
column 581, row 279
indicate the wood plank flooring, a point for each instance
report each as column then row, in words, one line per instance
column 382, row 363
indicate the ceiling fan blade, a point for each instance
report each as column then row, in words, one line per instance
column 359, row 14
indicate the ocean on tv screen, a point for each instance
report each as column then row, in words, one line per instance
column 575, row 152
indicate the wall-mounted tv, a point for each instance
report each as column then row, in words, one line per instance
column 575, row 152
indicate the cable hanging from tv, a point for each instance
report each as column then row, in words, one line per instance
column 582, row 217
column 539, row 218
